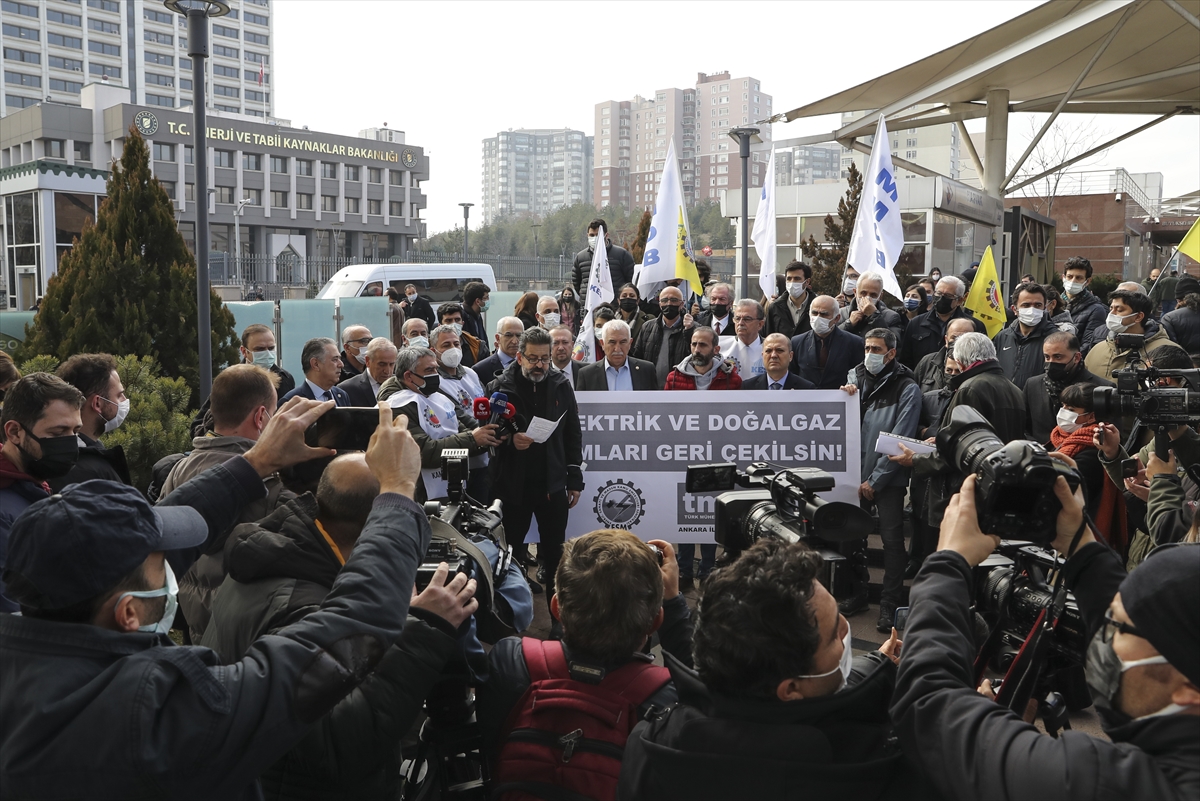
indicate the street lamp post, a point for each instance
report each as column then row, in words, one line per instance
column 197, row 13
column 466, row 207
column 536, row 263
column 743, row 136
column 237, row 239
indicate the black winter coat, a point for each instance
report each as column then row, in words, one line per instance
column 1041, row 413
column 926, row 333
column 280, row 570
column 1088, row 313
column 650, row 341
column 1021, row 356
column 620, row 268
column 95, row 461
column 942, row 722
column 930, row 372
column 560, row 456
column 883, row 318
column 1183, row 327
column 779, row 317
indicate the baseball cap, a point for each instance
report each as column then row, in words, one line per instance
column 76, row 544
column 1162, row 598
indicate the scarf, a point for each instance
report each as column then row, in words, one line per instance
column 1071, row 444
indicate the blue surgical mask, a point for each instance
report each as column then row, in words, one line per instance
column 912, row 304
column 873, row 362
column 171, row 590
column 263, row 358
column 418, row 342
column 487, row 304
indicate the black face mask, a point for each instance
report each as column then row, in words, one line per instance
column 944, row 304
column 432, row 382
column 628, row 304
column 719, row 310
column 568, row 298
column 670, row 312
column 59, row 455
column 1060, row 372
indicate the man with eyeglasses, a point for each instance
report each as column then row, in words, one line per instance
column 355, row 339
column 508, row 335
column 1143, row 670
column 745, row 348
column 925, row 332
column 538, row 479
column 663, row 341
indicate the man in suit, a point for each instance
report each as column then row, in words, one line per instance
column 617, row 370
column 380, row 361
column 720, row 303
column 354, row 339
column 562, row 345
column 1063, row 367
column 508, row 334
column 777, row 355
column 322, row 369
column 258, row 347
column 825, row 355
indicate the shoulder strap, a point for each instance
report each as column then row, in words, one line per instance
column 636, row 681
column 544, row 659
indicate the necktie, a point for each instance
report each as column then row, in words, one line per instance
column 823, row 352
column 328, row 395
column 717, row 327
column 776, row 385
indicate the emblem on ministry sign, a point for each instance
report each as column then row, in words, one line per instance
column 146, row 122
column 408, row 159
column 619, row 504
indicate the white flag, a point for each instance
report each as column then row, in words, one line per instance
column 668, row 253
column 878, row 237
column 599, row 291
column 764, row 231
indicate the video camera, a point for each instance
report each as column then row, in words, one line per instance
column 780, row 504
column 1138, row 395
column 1014, row 493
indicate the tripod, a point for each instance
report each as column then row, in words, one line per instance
column 448, row 763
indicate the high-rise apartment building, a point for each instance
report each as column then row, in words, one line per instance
column 53, row 47
column 384, row 134
column 535, row 171
column 632, row 137
column 807, row 164
column 934, row 146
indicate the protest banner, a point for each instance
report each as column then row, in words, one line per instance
column 637, row 448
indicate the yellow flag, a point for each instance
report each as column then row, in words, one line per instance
column 1190, row 246
column 685, row 265
column 985, row 300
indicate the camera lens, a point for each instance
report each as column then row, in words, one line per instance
column 967, row 440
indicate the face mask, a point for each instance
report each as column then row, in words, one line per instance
column 796, row 288
column 59, row 455
column 1073, row 287
column 703, row 303
column 412, row 298
column 452, row 358
column 592, row 240
column 844, row 665
column 263, row 358
column 849, row 285
column 628, row 304
column 171, row 590
column 419, row 342
column 670, row 312
column 432, row 382
column 1114, row 324
column 122, row 412
column 944, row 304
column 873, row 362
column 820, row 325
column 1059, row 372
column 568, row 298
column 864, row 301
column 912, row 304
column 1066, row 420
column 487, row 304
column 1103, row 670
column 1030, row 316
column 550, row 320
column 719, row 311
column 457, row 328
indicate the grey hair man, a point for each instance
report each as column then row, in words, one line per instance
column 355, row 339
column 926, row 332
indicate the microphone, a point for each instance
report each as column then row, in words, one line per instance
column 499, row 407
column 481, row 409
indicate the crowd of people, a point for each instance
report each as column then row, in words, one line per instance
column 310, row 654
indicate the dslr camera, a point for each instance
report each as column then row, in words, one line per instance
column 782, row 505
column 1014, row 493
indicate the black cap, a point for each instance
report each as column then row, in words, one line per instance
column 1162, row 598
column 77, row 544
column 1186, row 286
column 968, row 274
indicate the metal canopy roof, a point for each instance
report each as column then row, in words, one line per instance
column 1150, row 66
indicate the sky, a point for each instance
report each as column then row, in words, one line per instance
column 450, row 74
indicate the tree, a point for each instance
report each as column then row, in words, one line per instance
column 128, row 286
column 828, row 258
column 1063, row 141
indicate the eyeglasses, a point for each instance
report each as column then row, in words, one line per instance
column 359, row 341
column 536, row 360
column 1111, row 624
column 745, row 319
column 511, row 335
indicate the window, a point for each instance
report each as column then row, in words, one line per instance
column 257, row 58
column 161, row 80
column 156, row 16
column 329, row 169
column 21, row 33
column 160, row 38
column 163, row 152
column 228, row 72
column 103, row 69
column 226, row 91
column 188, row 154
column 13, row 54
column 252, row 161
column 55, row 148
column 159, row 100
column 99, row 47
column 279, row 200
column 104, row 26
column 374, row 175
column 159, row 58
column 256, row 38
column 328, row 202
column 16, row 101
column 279, row 164
column 257, row 97
column 303, row 201
column 104, row 5
column 352, row 173
column 352, row 205
column 252, row 75
column 169, row 188
column 228, row 52
column 185, row 63
column 185, row 83
column 375, row 207
column 83, row 151
column 21, row 79
column 303, row 167
column 224, row 194
column 222, row 30
column 254, row 196
column 231, row 109
column 396, row 208
column 189, row 192
column 20, row 8
column 223, row 158
column 58, row 16
column 257, row 19
column 396, row 177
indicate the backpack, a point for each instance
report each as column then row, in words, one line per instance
column 565, row 738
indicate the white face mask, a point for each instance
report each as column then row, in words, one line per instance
column 592, row 240
column 796, row 288
column 864, row 301
column 1073, row 287
column 1030, row 315
column 874, row 362
column 844, row 664
column 418, row 342
column 1115, row 324
column 412, row 298
column 1067, row 421
column 122, row 412
column 171, row 590
column 849, row 285
column 263, row 358
column 452, row 358
column 457, row 328
column 550, row 319
column 820, row 325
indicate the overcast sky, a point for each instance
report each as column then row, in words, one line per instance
column 450, row 74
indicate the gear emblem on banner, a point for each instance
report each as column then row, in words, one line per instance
column 619, row 504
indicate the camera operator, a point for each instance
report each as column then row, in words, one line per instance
column 779, row 706
column 95, row 700
column 1170, row 517
column 1143, row 669
column 280, row 570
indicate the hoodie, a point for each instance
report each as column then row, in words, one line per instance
column 722, row 375
column 18, row 490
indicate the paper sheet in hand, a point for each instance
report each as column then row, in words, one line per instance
column 540, row 428
column 890, row 444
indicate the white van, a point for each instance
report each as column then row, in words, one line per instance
column 437, row 283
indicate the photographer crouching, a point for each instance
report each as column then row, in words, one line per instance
column 1143, row 669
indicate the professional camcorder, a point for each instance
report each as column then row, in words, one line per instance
column 1138, row 395
column 1014, row 493
column 779, row 504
